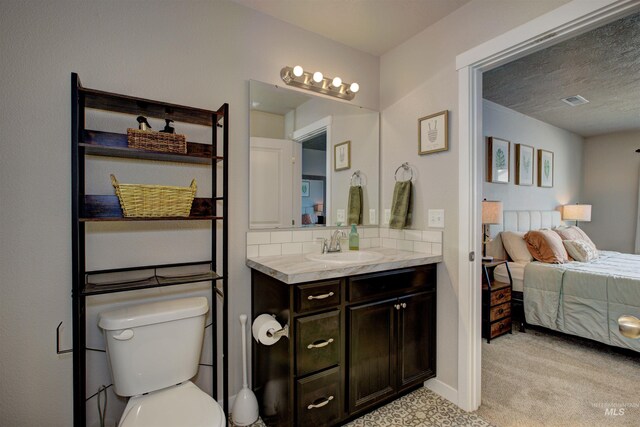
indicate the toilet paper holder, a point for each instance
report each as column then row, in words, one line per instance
column 284, row 332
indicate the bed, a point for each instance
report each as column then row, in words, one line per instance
column 577, row 298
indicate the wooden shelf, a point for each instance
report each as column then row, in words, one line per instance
column 154, row 276
column 115, row 145
column 496, row 285
column 139, row 106
column 107, row 208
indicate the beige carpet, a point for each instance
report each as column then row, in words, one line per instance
column 541, row 378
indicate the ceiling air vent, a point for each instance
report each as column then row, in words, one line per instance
column 575, row 100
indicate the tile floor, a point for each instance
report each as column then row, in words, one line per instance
column 421, row 408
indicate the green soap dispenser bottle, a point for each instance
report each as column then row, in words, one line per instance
column 354, row 239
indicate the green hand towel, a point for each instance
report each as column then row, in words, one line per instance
column 355, row 205
column 401, row 205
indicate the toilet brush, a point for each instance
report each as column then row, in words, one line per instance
column 245, row 407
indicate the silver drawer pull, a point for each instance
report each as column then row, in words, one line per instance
column 397, row 306
column 323, row 296
column 321, row 404
column 404, row 305
column 321, row 344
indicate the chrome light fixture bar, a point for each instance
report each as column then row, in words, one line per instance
column 296, row 76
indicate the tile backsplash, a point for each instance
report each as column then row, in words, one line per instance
column 268, row 243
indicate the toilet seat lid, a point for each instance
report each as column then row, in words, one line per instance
column 183, row 405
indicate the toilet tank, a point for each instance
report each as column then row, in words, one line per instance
column 153, row 346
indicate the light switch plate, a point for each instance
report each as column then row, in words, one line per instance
column 387, row 216
column 436, row 218
column 372, row 216
column 340, row 216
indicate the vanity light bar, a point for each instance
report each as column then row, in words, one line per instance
column 296, row 76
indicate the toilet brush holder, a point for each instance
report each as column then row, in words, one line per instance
column 245, row 406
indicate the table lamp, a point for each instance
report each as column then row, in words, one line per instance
column 576, row 213
column 491, row 214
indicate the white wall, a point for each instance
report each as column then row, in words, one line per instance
column 267, row 125
column 611, row 168
column 199, row 53
column 419, row 78
column 567, row 147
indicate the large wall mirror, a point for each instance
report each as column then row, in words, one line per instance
column 306, row 152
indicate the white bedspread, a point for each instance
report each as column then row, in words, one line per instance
column 585, row 299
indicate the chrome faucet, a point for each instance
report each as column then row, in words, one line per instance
column 334, row 243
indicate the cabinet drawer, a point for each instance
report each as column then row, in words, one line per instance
column 500, row 327
column 500, row 296
column 315, row 296
column 500, row 311
column 392, row 282
column 317, row 342
column 318, row 399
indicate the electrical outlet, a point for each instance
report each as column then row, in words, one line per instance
column 372, row 216
column 340, row 217
column 436, row 218
column 387, row 216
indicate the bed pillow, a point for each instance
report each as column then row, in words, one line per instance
column 515, row 246
column 574, row 233
column 546, row 246
column 580, row 250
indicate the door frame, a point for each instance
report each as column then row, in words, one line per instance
column 304, row 133
column 566, row 21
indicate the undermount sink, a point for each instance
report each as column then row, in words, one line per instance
column 350, row 257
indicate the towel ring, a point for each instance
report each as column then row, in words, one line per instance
column 355, row 175
column 405, row 166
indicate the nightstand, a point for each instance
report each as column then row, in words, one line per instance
column 496, row 301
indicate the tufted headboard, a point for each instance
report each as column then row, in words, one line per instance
column 520, row 221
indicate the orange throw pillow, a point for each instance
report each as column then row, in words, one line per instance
column 574, row 233
column 546, row 246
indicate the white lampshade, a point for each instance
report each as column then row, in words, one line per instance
column 576, row 212
column 491, row 212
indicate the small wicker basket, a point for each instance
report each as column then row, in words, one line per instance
column 156, row 141
column 139, row 200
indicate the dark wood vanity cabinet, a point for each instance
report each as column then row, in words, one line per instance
column 354, row 343
column 392, row 341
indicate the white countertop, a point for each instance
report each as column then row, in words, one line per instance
column 297, row 269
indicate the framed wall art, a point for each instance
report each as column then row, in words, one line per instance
column 433, row 133
column 524, row 164
column 545, row 168
column 342, row 156
column 498, row 155
column 305, row 188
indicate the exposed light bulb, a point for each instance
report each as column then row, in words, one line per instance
column 337, row 82
column 297, row 71
column 317, row 77
column 355, row 87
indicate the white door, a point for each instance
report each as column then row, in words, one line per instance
column 271, row 186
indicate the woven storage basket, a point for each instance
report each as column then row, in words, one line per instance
column 156, row 141
column 139, row 200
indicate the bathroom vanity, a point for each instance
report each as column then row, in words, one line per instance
column 360, row 335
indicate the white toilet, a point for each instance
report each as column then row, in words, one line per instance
column 153, row 351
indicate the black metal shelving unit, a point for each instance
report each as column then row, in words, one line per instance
column 89, row 208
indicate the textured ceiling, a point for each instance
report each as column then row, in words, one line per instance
column 372, row 26
column 602, row 65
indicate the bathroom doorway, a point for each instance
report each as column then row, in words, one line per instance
column 567, row 21
column 314, row 180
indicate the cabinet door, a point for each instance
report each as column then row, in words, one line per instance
column 372, row 356
column 416, row 339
